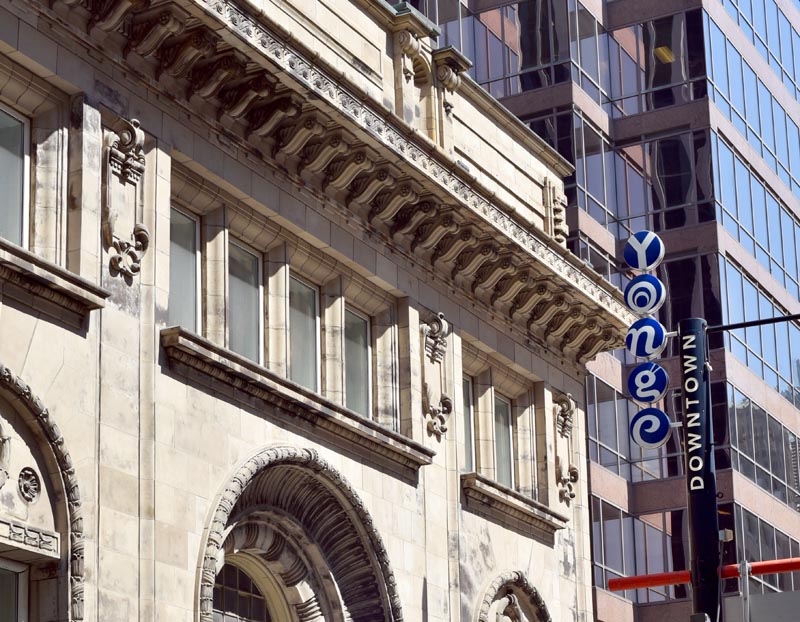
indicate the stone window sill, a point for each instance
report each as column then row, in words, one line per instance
column 511, row 508
column 46, row 287
column 326, row 417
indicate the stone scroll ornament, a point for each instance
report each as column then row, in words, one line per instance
column 437, row 405
column 125, row 166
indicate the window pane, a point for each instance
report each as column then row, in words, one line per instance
column 182, row 271
column 11, row 177
column 356, row 356
column 303, row 334
column 8, row 596
column 502, row 441
column 243, row 314
column 469, row 424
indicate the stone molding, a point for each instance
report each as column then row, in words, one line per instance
column 509, row 582
column 293, row 63
column 38, row 542
column 320, row 470
column 250, row 378
column 50, row 284
column 16, row 388
column 505, row 504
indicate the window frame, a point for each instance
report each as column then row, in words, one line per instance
column 23, row 576
column 261, row 311
column 468, row 388
column 292, row 274
column 370, row 352
column 26, row 172
column 496, row 396
column 198, row 266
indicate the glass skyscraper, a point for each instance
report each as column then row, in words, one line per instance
column 682, row 118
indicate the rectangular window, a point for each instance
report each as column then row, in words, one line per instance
column 303, row 334
column 184, row 270
column 503, row 456
column 245, row 334
column 8, row 595
column 13, row 178
column 357, row 358
column 469, row 426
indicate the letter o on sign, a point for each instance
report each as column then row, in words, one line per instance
column 645, row 294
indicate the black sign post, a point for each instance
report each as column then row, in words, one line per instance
column 701, row 479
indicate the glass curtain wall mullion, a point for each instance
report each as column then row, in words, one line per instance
column 304, row 334
column 184, row 271
column 245, row 302
column 14, row 176
column 358, row 363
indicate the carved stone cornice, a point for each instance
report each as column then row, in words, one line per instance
column 510, row 507
column 549, row 257
column 50, row 289
column 241, row 374
column 372, row 147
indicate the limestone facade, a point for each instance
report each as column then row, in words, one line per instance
column 288, row 330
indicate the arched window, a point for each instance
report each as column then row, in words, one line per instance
column 237, row 597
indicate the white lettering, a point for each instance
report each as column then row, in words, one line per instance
column 691, row 385
column 695, row 463
column 688, row 342
column 649, row 333
column 696, row 483
column 641, row 248
column 693, row 441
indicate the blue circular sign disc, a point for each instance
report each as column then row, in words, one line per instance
column 646, row 338
column 645, row 294
column 650, row 428
column 644, row 250
column 648, row 382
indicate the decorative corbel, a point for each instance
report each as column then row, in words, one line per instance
column 410, row 46
column 436, row 332
column 555, row 204
column 564, row 411
column 438, row 413
column 149, row 31
column 566, row 478
column 126, row 164
column 449, row 64
column 108, row 15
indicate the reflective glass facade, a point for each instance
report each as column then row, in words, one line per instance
column 717, row 173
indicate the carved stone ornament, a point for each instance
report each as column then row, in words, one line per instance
column 436, row 332
column 126, row 165
column 296, row 480
column 125, row 155
column 29, row 484
column 438, row 413
column 566, row 480
column 5, row 456
column 564, row 411
column 511, row 598
column 128, row 259
column 14, row 388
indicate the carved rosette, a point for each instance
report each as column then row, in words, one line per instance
column 126, row 165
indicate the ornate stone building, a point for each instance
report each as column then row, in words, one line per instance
column 288, row 328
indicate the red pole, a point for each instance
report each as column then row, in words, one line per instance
column 730, row 571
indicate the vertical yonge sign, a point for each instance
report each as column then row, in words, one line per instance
column 646, row 338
